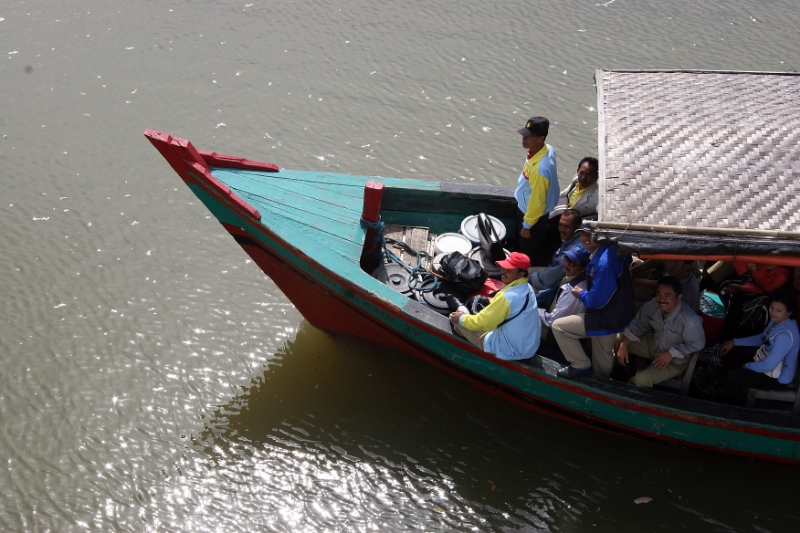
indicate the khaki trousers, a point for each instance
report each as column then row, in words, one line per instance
column 651, row 375
column 475, row 337
column 568, row 332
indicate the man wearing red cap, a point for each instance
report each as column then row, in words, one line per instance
column 509, row 326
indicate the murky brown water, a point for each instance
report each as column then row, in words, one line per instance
column 153, row 379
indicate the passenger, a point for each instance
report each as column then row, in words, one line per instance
column 769, row 358
column 508, row 327
column 544, row 278
column 747, row 297
column 643, row 289
column 536, row 193
column 608, row 300
column 665, row 330
column 564, row 303
column 581, row 194
column 756, row 278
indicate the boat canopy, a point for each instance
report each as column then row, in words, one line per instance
column 700, row 164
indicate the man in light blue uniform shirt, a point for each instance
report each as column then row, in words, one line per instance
column 536, row 193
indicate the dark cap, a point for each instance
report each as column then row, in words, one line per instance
column 584, row 227
column 578, row 255
column 535, row 126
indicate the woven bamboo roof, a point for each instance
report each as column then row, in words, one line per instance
column 700, row 152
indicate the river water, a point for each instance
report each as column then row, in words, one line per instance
column 153, row 379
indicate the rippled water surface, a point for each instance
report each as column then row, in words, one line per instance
column 153, row 379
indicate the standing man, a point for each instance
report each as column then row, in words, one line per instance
column 608, row 300
column 509, row 326
column 537, row 192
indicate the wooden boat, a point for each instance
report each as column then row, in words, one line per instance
column 304, row 230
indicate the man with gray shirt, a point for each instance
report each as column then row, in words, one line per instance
column 666, row 331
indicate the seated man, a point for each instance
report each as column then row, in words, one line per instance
column 643, row 289
column 508, row 327
column 546, row 277
column 608, row 300
column 582, row 192
column 665, row 330
column 564, row 303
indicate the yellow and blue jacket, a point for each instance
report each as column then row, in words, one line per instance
column 537, row 187
column 517, row 338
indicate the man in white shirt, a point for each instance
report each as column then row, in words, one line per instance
column 564, row 303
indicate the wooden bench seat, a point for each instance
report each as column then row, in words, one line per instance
column 789, row 396
column 682, row 383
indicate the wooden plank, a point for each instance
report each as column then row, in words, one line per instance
column 431, row 244
column 476, row 190
column 282, row 190
column 464, row 201
column 418, row 239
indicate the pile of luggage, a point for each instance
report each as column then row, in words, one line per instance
column 463, row 265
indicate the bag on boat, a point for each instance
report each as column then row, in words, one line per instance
column 747, row 315
column 455, row 267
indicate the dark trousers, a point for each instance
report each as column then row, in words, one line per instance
column 549, row 348
column 539, row 246
column 738, row 380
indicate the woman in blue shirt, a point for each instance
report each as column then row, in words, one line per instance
column 772, row 354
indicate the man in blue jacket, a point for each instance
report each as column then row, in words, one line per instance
column 608, row 300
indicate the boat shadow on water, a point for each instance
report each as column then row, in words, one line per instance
column 338, row 407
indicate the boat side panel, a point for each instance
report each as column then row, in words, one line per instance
column 443, row 210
